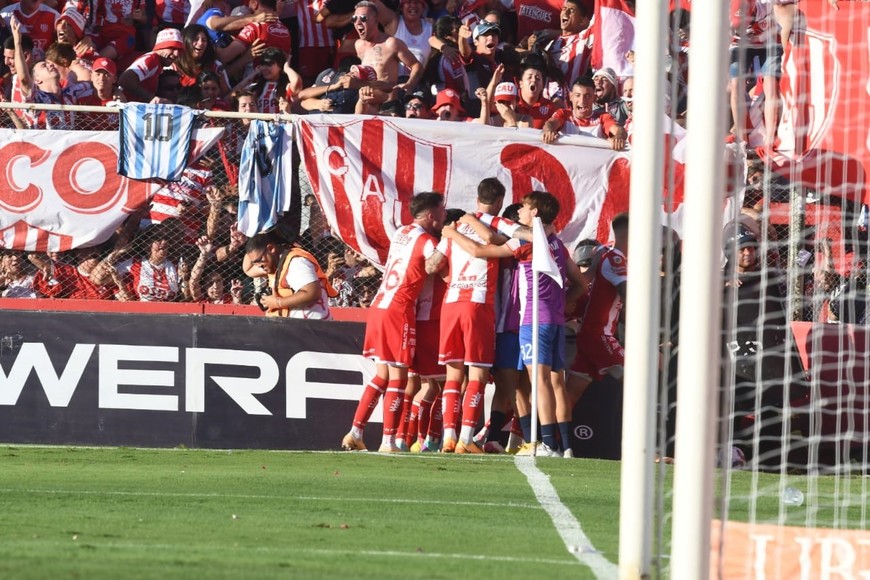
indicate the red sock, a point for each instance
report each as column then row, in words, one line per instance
column 413, row 423
column 393, row 407
column 407, row 402
column 451, row 404
column 423, row 418
column 436, row 420
column 369, row 401
column 472, row 406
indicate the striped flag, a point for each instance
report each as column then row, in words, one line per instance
column 154, row 140
column 365, row 171
column 22, row 235
column 613, row 36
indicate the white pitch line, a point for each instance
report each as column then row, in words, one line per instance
column 576, row 541
column 500, row 505
column 319, row 551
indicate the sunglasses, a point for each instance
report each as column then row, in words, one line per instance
column 359, row 18
column 414, row 107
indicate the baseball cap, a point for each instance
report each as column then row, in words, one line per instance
column 364, row 73
column 168, row 38
column 608, row 74
column 419, row 94
column 483, row 28
column 272, row 55
column 742, row 238
column 106, row 65
column 75, row 19
column 505, row 92
column 584, row 254
column 447, row 97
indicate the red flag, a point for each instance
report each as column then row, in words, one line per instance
column 614, row 36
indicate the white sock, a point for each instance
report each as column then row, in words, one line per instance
column 356, row 432
column 450, row 434
column 466, row 434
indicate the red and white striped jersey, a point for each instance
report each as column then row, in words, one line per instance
column 470, row 279
column 172, row 11
column 405, row 273
column 39, row 25
column 150, row 283
column 312, row 33
column 572, row 52
column 598, row 125
column 182, row 199
column 431, row 298
column 602, row 311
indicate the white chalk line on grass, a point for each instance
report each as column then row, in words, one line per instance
column 576, row 541
column 317, row 551
column 500, row 505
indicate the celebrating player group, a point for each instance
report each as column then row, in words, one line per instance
column 454, row 313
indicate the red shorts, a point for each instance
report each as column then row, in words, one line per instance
column 467, row 334
column 426, row 354
column 390, row 336
column 314, row 59
column 596, row 355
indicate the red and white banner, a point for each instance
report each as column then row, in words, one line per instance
column 364, row 171
column 613, row 36
column 824, row 140
column 59, row 190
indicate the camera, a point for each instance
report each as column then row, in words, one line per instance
column 265, row 291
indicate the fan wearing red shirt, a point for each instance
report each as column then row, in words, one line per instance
column 140, row 81
column 581, row 120
column 532, row 103
column 37, row 22
column 264, row 34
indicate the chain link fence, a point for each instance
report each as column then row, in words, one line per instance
column 192, row 222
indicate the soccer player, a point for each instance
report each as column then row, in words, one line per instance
column 553, row 404
column 467, row 323
column 391, row 330
column 598, row 350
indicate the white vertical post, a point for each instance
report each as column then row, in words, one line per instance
column 535, row 370
column 700, row 314
column 643, row 294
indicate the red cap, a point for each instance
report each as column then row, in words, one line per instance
column 447, row 97
column 106, row 65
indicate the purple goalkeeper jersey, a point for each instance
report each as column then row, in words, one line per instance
column 551, row 296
